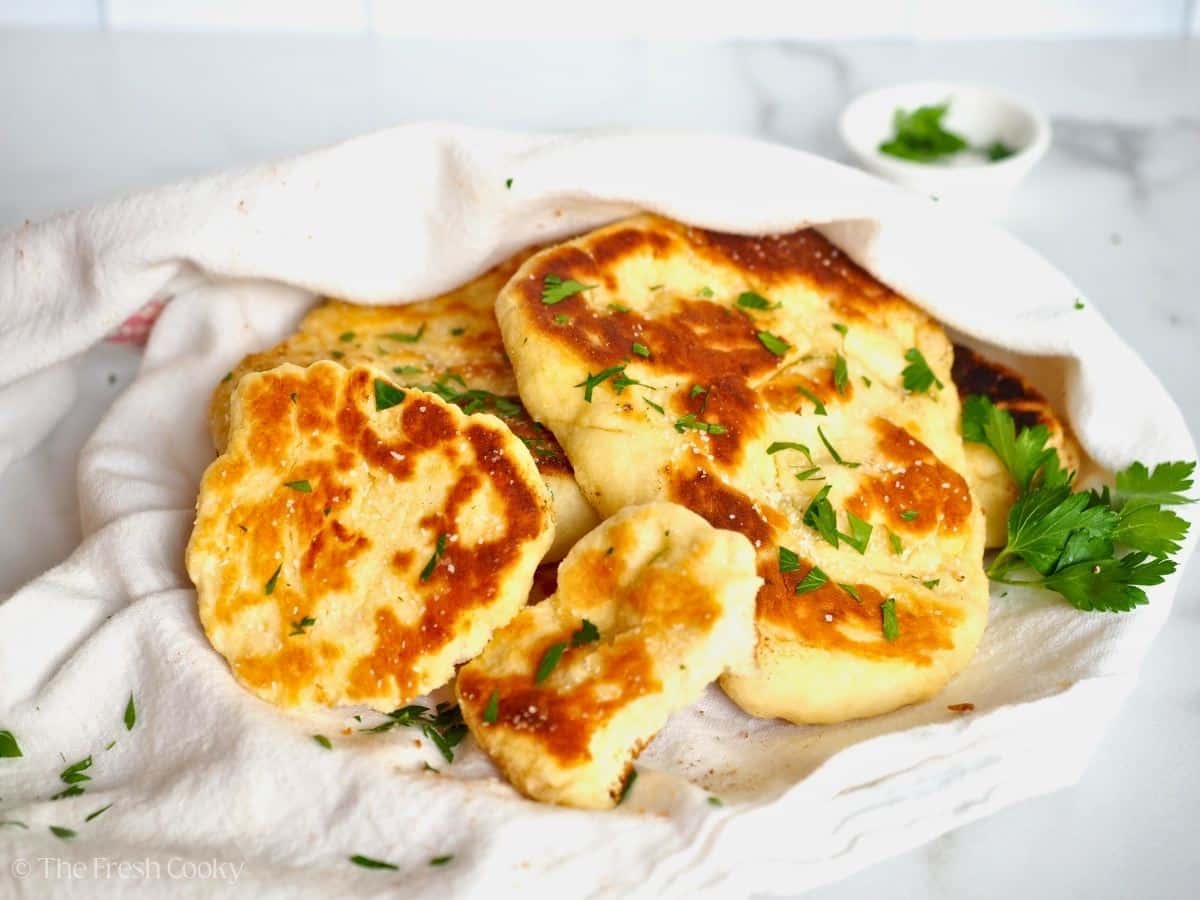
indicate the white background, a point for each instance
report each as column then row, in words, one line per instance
column 921, row 19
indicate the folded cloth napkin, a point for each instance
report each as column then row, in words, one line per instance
column 213, row 791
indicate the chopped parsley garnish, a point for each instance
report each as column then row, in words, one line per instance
column 998, row 150
column 919, row 135
column 832, row 452
column 549, row 660
column 1078, row 303
column 562, row 319
column 410, row 338
column 302, row 486
column 229, row 375
column 1066, row 540
column 840, row 328
column 269, row 587
column 889, row 622
column 9, row 748
column 442, row 725
column 387, row 395
column 909, row 514
column 751, row 300
column 458, row 332
column 628, row 786
column 695, row 424
column 697, row 390
column 592, row 382
column 292, row 396
column 323, row 741
column 130, row 717
column 813, row 580
column 641, row 350
column 897, row 544
column 72, row 791
column 650, row 403
column 407, row 370
column 777, row 345
column 820, row 517
column 618, row 307
column 656, row 287
column 101, row 811
column 74, row 773
column 491, row 712
column 841, row 378
column 555, row 289
column 706, row 292
column 851, row 590
column 788, row 560
column 931, row 583
column 866, row 381
column 441, row 860
column 917, row 375
column 587, row 633
column 814, row 399
column 346, row 337
column 508, row 183
column 368, row 863
column 777, row 446
column 715, row 801
column 860, row 532
column 808, row 473
column 13, row 823
column 302, row 626
column 439, row 548
column 64, row 833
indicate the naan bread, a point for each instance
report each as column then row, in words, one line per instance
column 650, row 608
column 449, row 345
column 690, row 390
column 991, row 482
column 355, row 542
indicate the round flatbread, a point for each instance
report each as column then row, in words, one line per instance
column 449, row 345
column 774, row 387
column 356, row 541
column 650, row 608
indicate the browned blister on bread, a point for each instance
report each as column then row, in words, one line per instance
column 760, row 381
column 356, row 541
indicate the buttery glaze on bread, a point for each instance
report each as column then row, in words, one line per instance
column 452, row 340
column 813, row 355
column 650, row 608
column 355, row 542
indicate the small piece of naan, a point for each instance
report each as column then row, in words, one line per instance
column 449, row 345
column 991, row 482
column 356, row 541
column 651, row 607
column 761, row 381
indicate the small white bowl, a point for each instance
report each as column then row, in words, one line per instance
column 979, row 114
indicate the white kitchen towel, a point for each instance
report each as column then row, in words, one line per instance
column 214, row 792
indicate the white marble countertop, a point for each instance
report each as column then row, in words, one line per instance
column 1115, row 204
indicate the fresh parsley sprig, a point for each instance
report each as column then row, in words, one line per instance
column 1068, row 541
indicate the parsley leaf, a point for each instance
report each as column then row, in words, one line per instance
column 302, row 486
column 368, row 863
column 650, row 403
column 1026, row 455
column 777, row 446
column 130, row 714
column 323, row 741
column 9, row 748
column 814, row 399
column 819, row 516
column 628, row 786
column 1164, row 486
column 889, row 622
column 387, row 395
column 406, row 338
column 860, row 532
column 592, row 382
column 101, row 811
column 439, row 549
column 788, row 560
column 549, row 661
column 832, row 452
column 919, row 135
column 491, row 712
column 808, row 473
column 586, row 634
column 1109, row 585
column 302, row 626
column 269, row 587
column 555, row 289
column 64, row 833
column 918, row 376
column 774, row 343
column 441, row 860
column 691, row 421
column 841, row 378
column 1041, row 522
column 641, row 350
column 751, row 300
column 813, row 580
